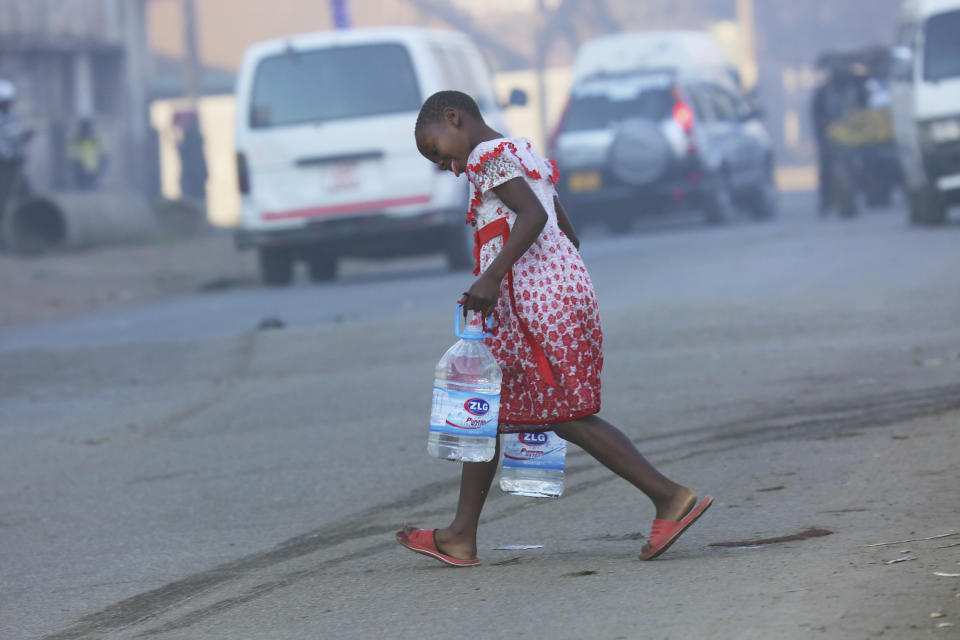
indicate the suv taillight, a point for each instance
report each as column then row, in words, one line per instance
column 243, row 175
column 683, row 115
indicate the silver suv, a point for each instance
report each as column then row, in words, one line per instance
column 647, row 143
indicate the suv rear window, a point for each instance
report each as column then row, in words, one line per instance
column 941, row 50
column 327, row 84
column 604, row 111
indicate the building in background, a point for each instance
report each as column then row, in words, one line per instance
column 75, row 61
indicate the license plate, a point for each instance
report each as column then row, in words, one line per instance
column 342, row 176
column 580, row 181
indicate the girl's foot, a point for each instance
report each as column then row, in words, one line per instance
column 424, row 541
column 677, row 505
column 674, row 508
column 665, row 532
column 456, row 546
column 449, row 544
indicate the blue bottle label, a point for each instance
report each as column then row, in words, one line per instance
column 465, row 413
column 543, row 450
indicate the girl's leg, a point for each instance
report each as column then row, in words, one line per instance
column 615, row 451
column 460, row 538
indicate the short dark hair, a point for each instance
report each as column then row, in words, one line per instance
column 433, row 107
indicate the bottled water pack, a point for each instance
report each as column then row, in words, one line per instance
column 466, row 397
column 533, row 464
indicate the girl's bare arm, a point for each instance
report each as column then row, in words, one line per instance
column 531, row 217
column 563, row 221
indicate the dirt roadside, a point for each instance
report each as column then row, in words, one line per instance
column 52, row 286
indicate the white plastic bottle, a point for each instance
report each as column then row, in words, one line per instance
column 533, row 464
column 466, row 398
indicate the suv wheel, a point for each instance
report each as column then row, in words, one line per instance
column 763, row 199
column 719, row 207
column 459, row 247
column 322, row 266
column 927, row 207
column 276, row 266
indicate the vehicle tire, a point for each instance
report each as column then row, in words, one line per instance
column 459, row 247
column 764, row 198
column 926, row 207
column 619, row 221
column 719, row 208
column 844, row 190
column 322, row 266
column 877, row 193
column 276, row 266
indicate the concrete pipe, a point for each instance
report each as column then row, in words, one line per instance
column 77, row 219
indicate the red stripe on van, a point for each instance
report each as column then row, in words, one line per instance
column 320, row 212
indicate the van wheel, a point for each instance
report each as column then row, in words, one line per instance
column 323, row 266
column 459, row 247
column 719, row 207
column 926, row 207
column 276, row 266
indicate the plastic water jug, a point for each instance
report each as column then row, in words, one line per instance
column 533, row 464
column 466, row 397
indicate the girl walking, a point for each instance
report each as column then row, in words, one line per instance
column 546, row 334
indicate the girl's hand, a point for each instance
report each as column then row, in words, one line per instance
column 482, row 296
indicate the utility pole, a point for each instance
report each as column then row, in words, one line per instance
column 135, row 64
column 541, row 58
column 341, row 13
column 193, row 55
column 746, row 21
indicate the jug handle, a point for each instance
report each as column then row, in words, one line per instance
column 460, row 314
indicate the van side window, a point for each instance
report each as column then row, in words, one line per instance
column 448, row 71
column 459, row 74
column 474, row 86
column 941, row 46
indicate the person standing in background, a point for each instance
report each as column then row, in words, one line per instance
column 193, row 164
column 13, row 183
column 87, row 158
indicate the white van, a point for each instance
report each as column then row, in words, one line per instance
column 926, row 106
column 326, row 158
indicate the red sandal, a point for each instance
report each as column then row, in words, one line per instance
column 425, row 541
column 666, row 532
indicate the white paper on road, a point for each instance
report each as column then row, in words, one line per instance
column 518, row 547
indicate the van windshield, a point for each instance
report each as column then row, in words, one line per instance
column 941, row 51
column 603, row 111
column 338, row 82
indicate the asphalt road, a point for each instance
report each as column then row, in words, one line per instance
column 167, row 470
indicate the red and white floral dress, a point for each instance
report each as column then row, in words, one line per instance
column 546, row 327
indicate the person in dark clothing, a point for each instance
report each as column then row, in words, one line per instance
column 193, row 165
column 13, row 138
